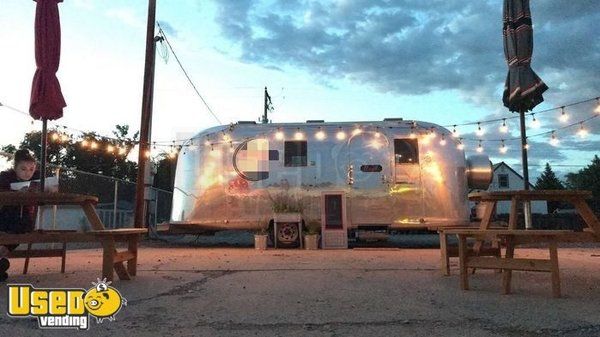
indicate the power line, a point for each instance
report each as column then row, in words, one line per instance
column 162, row 33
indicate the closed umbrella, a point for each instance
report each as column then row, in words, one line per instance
column 47, row 101
column 523, row 89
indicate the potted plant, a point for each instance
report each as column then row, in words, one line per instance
column 311, row 238
column 261, row 235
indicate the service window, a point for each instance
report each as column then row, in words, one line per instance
column 406, row 151
column 295, row 153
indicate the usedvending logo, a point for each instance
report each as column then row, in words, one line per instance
column 65, row 308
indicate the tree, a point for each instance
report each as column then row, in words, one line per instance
column 587, row 178
column 549, row 181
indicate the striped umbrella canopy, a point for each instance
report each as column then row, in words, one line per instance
column 523, row 89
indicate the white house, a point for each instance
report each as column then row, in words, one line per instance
column 507, row 179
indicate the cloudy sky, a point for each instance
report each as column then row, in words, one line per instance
column 440, row 61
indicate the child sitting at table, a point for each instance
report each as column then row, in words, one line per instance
column 16, row 219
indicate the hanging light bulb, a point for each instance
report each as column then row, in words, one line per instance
column 597, row 110
column 298, row 135
column 122, row 151
column 480, row 131
column 534, row 122
column 503, row 148
column 582, row 132
column 460, row 144
column 455, row 133
column 564, row 117
column 93, row 145
column 377, row 133
column 340, row 135
column 443, row 140
column 226, row 137
column 279, row 134
column 413, row 134
column 231, row 149
column 110, row 148
column 553, row 140
column 357, row 131
column 479, row 147
column 320, row 135
column 504, row 127
column 432, row 133
column 148, row 153
column 526, row 146
column 84, row 143
column 54, row 136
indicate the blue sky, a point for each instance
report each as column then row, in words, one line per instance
column 437, row 61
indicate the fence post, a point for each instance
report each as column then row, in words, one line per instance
column 116, row 199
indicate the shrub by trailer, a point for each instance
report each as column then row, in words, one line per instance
column 382, row 174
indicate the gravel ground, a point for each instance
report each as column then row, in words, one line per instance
column 228, row 291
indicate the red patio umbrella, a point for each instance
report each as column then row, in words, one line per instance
column 47, row 101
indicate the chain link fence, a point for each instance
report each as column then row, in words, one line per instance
column 116, row 202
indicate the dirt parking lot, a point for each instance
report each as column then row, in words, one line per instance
column 192, row 291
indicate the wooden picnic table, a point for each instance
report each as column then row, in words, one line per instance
column 112, row 259
column 513, row 237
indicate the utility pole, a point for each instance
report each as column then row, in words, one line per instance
column 146, row 120
column 268, row 106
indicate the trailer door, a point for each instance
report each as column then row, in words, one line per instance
column 368, row 156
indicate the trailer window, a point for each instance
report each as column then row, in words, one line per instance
column 295, row 153
column 406, row 151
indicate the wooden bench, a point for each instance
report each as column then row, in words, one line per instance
column 112, row 259
column 447, row 251
column 508, row 263
column 106, row 237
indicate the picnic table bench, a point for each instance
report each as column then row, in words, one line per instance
column 113, row 260
column 512, row 237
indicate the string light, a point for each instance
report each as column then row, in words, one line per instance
column 54, row 136
column 534, row 122
column 455, row 133
column 377, row 133
column 597, row 110
column 413, row 135
column 340, row 135
column 503, row 148
column 279, row 134
column 122, row 151
column 84, row 143
column 460, row 144
column 226, row 137
column 148, row 153
column 480, row 131
column 443, row 140
column 526, row 146
column 110, row 148
column 93, row 145
column 553, row 140
column 503, row 127
column 320, row 135
column 432, row 133
column 357, row 131
column 480, row 147
column 298, row 135
column 582, row 132
column 564, row 117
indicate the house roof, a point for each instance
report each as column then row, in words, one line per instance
column 498, row 165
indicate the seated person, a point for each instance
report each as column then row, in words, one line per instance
column 16, row 219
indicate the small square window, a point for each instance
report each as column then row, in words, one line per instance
column 295, row 153
column 503, row 181
column 406, row 151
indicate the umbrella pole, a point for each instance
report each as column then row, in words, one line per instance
column 526, row 204
column 43, row 154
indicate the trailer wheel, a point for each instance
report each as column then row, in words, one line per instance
column 287, row 234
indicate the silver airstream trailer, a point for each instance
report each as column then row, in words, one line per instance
column 352, row 176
